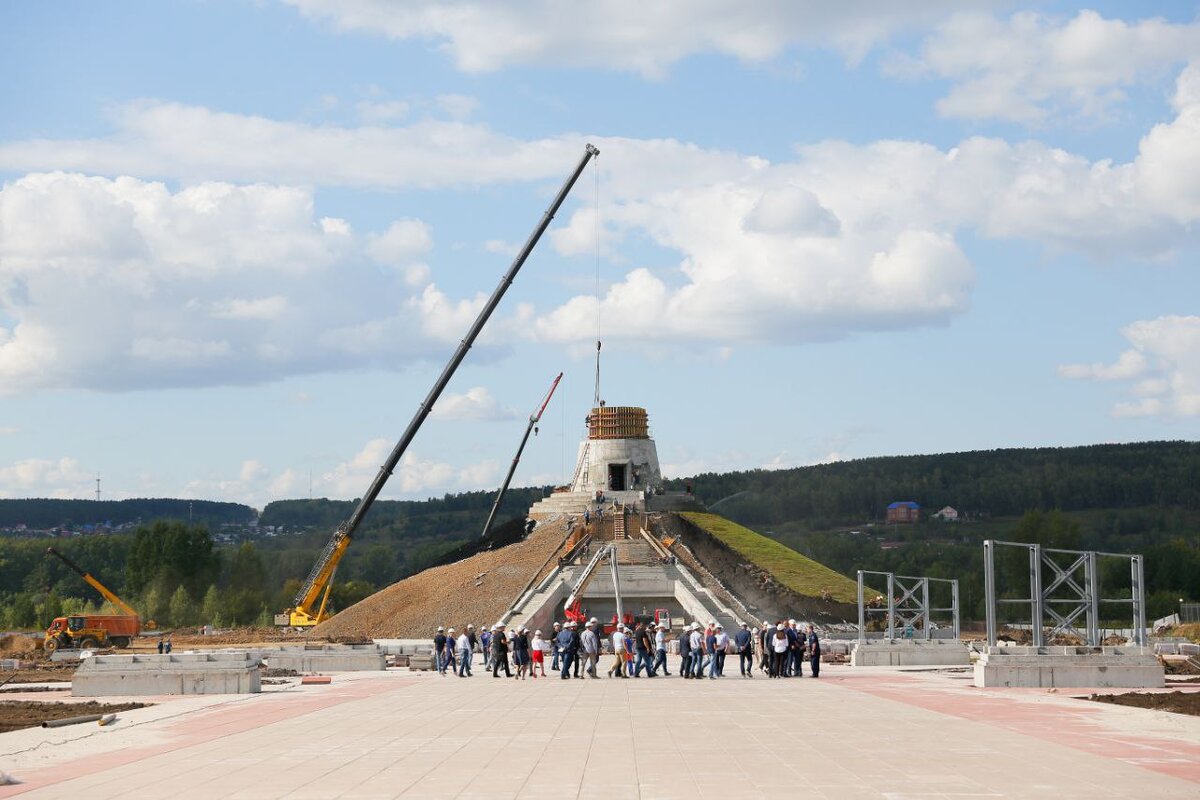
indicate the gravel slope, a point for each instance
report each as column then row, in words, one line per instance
column 475, row 590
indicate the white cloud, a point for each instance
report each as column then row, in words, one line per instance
column 253, row 470
column 413, row 477
column 42, row 477
column 1030, row 67
column 1163, row 366
column 401, row 243
column 122, row 284
column 482, row 37
column 458, row 106
column 476, row 404
column 376, row 112
column 839, row 239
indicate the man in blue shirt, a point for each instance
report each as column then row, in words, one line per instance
column 439, row 649
column 814, row 652
column 563, row 641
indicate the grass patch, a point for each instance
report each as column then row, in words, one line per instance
column 795, row 571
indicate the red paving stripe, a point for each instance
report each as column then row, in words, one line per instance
column 1074, row 727
column 206, row 725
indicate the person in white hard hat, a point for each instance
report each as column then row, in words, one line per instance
column 617, row 670
column 660, row 649
column 464, row 654
column 695, row 641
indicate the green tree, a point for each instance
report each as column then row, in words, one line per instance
column 180, row 553
column 182, row 610
column 210, row 608
column 246, row 570
column 49, row 609
column 23, row 613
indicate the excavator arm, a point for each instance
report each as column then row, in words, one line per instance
column 95, row 584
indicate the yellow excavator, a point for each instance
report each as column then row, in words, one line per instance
column 312, row 600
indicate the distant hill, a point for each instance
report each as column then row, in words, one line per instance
column 51, row 513
column 986, row 482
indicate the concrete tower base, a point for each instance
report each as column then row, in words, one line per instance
column 1069, row 667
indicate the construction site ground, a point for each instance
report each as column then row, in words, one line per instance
column 856, row 732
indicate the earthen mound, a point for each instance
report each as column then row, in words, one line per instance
column 475, row 590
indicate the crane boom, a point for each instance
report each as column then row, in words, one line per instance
column 319, row 579
column 534, row 418
column 95, row 584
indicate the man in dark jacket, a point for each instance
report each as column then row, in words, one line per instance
column 576, row 647
column 814, row 652
column 641, row 639
column 439, row 650
column 563, row 640
column 500, row 652
column 685, row 654
column 745, row 653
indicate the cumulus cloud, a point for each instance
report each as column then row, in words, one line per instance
column 483, row 37
column 43, row 477
column 1031, row 67
column 1162, row 368
column 403, row 241
column 414, row 476
column 122, row 284
column 840, row 238
column 476, row 404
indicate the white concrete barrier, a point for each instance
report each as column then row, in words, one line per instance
column 911, row 653
column 182, row 673
column 1069, row 667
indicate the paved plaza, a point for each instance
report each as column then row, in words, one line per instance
column 853, row 733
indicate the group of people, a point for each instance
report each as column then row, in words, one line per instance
column 778, row 650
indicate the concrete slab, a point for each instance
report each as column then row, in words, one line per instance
column 396, row 734
column 911, row 653
column 1069, row 667
column 326, row 658
column 182, row 673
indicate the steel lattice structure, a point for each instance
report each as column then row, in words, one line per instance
column 910, row 606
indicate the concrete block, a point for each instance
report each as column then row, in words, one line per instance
column 1166, row 649
column 327, row 658
column 1189, row 649
column 1069, row 667
column 911, row 653
column 422, row 661
column 182, row 673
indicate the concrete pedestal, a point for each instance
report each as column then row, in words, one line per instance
column 184, row 673
column 1069, row 667
column 915, row 653
column 327, row 658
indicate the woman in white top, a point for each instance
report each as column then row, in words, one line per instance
column 539, row 650
column 779, row 647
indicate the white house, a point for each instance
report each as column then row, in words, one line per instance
column 947, row 514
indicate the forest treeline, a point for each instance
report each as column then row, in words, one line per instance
column 43, row 513
column 174, row 573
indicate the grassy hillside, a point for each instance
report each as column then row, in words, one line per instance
column 795, row 571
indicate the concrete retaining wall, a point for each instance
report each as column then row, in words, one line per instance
column 327, row 658
column 1069, row 667
column 919, row 653
column 183, row 673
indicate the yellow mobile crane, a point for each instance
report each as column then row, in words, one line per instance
column 317, row 586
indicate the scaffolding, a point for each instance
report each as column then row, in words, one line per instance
column 1075, row 579
column 910, row 607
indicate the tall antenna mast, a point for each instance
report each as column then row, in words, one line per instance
column 596, row 399
column 97, row 487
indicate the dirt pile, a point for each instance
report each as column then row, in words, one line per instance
column 15, row 715
column 1177, row 702
column 15, row 645
column 475, row 590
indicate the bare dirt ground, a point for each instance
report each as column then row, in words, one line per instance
column 1177, row 702
column 29, row 714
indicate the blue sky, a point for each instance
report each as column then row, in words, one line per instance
column 239, row 240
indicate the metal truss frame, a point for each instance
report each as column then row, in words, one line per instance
column 1073, row 573
column 908, row 607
